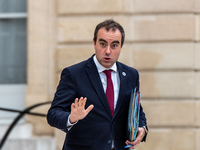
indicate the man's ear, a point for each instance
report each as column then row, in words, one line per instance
column 94, row 42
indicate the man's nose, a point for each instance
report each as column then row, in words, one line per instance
column 108, row 50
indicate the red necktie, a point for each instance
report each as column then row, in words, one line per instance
column 110, row 90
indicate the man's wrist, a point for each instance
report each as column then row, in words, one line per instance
column 72, row 120
column 69, row 124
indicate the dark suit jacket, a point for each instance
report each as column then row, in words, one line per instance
column 97, row 130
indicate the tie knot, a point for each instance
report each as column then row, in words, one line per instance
column 108, row 73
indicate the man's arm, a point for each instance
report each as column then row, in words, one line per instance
column 60, row 109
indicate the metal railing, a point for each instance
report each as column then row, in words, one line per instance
column 21, row 114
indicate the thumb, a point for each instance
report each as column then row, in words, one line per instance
column 89, row 108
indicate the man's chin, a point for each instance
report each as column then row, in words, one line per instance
column 107, row 65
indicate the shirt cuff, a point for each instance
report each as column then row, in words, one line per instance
column 70, row 125
column 145, row 129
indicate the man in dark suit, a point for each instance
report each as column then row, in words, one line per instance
column 89, row 106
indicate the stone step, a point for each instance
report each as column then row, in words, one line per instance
column 33, row 143
column 23, row 130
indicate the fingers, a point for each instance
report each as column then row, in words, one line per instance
column 76, row 103
column 133, row 143
column 81, row 103
column 130, row 144
column 89, row 108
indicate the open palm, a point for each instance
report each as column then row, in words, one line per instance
column 78, row 110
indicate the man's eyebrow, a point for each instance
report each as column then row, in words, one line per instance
column 107, row 42
column 103, row 40
column 115, row 42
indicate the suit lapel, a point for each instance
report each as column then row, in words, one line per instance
column 96, row 82
column 123, row 85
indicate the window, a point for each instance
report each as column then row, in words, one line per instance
column 13, row 59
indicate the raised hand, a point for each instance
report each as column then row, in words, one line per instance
column 78, row 110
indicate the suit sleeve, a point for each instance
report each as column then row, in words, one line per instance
column 60, row 109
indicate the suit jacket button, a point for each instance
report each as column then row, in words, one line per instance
column 109, row 141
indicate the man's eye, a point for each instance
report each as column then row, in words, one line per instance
column 102, row 44
column 114, row 45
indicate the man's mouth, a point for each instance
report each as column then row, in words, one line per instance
column 106, row 58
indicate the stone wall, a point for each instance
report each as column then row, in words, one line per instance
column 162, row 42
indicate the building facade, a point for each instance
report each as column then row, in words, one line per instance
column 162, row 41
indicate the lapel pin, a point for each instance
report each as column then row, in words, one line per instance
column 124, row 74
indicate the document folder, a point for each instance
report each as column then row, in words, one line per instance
column 133, row 115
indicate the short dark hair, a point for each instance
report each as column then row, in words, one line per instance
column 110, row 24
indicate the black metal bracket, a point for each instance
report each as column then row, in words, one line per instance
column 21, row 114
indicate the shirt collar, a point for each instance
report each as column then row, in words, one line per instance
column 101, row 68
